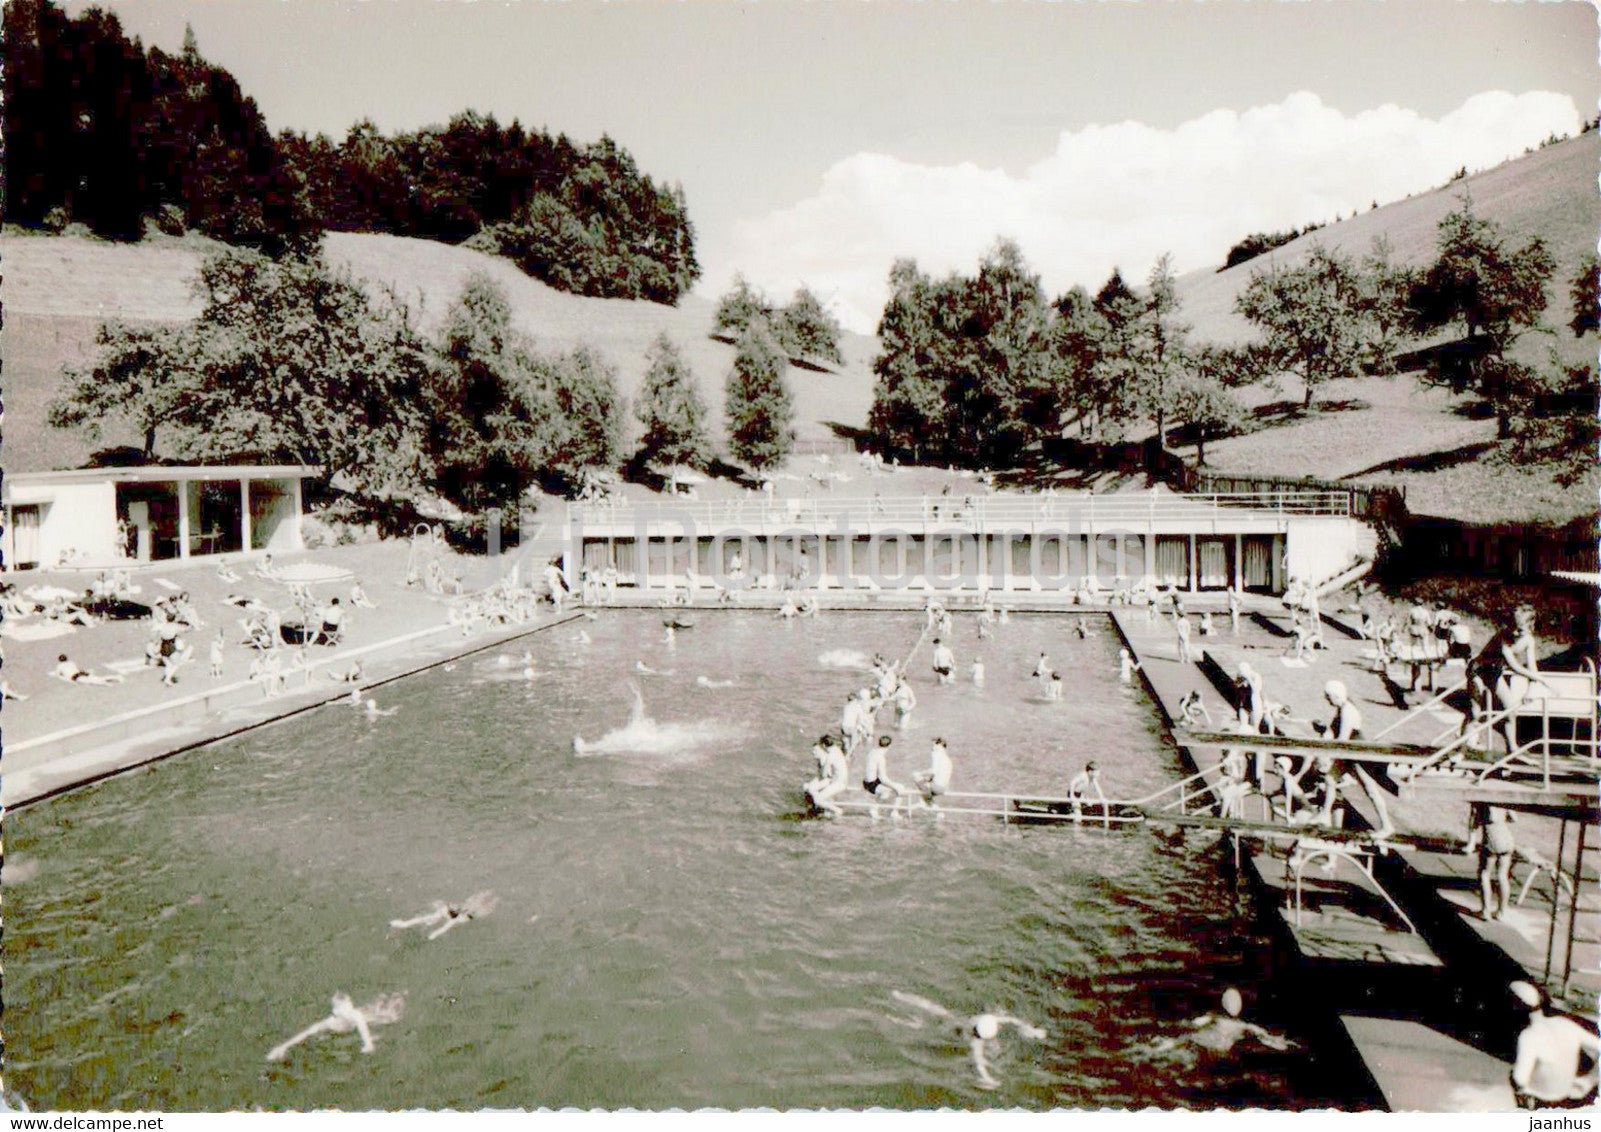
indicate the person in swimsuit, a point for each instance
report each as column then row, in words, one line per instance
column 1218, row 1034
column 1346, row 723
column 876, row 780
column 833, row 780
column 1491, row 835
column 980, row 1031
column 936, row 780
column 904, row 700
column 1079, row 789
column 442, row 917
column 978, row 672
column 1550, row 1070
column 1127, row 666
column 1053, row 687
column 944, row 662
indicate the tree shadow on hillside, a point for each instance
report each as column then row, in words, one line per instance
column 1430, row 461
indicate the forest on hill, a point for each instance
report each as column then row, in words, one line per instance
column 103, row 133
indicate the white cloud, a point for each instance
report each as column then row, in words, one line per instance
column 1124, row 194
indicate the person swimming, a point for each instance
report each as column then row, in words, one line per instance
column 373, row 711
column 708, row 682
column 978, row 672
column 343, row 1017
column 442, row 917
column 1127, row 666
column 981, row 1031
column 1218, row 1034
column 1053, row 687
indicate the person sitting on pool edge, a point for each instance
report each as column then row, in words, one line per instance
column 834, row 778
column 877, row 782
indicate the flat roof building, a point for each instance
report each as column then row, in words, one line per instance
column 104, row 516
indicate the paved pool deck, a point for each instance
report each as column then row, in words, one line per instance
column 1426, row 1011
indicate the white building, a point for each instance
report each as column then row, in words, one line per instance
column 101, row 516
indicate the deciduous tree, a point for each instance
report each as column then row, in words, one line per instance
column 757, row 403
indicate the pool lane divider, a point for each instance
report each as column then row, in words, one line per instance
column 73, row 770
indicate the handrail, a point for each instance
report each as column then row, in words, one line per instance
column 1411, row 713
column 971, row 511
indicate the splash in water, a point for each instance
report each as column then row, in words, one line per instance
column 845, row 658
column 643, row 735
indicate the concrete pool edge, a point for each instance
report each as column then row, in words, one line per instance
column 81, row 756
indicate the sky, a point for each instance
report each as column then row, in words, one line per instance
column 819, row 140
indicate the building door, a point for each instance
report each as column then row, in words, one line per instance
column 24, row 537
column 1214, row 563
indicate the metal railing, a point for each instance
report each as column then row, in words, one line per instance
column 977, row 512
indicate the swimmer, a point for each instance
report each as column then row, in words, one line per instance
column 644, row 669
column 669, row 635
column 984, row 632
column 1042, row 668
column 944, row 662
column 1219, row 1034
column 978, row 672
column 356, row 701
column 1127, row 666
column 343, row 1017
column 708, row 682
column 1079, row 789
column 980, row 1030
column 904, row 700
column 832, row 779
column 442, row 917
column 936, row 780
column 788, row 611
column 856, row 720
column 809, row 606
column 1053, row 687
column 582, row 638
column 373, row 711
column 1081, row 629
column 877, row 782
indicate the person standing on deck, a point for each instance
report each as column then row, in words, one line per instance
column 1346, row 723
column 1235, row 601
column 1181, row 628
column 1249, row 696
column 1491, row 834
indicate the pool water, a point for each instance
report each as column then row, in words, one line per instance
column 670, row 932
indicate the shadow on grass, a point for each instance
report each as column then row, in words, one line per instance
column 1430, row 461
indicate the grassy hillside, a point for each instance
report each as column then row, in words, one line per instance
column 1397, row 430
column 1550, row 193
column 59, row 289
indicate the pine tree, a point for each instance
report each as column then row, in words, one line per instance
column 671, row 410
column 758, row 406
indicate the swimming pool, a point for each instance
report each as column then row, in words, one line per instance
column 670, row 931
